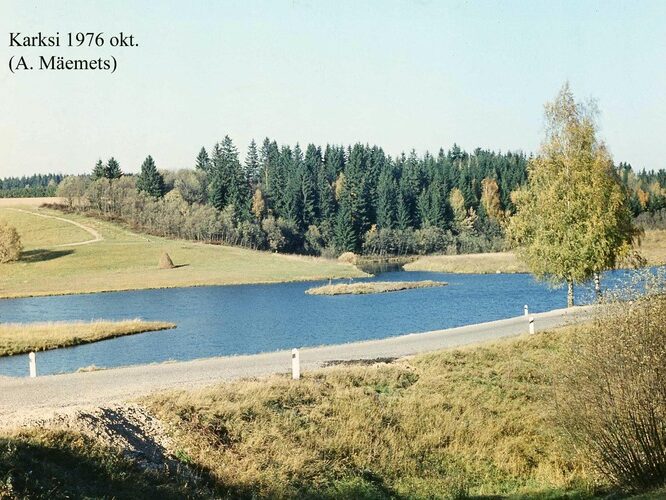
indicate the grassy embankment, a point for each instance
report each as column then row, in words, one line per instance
column 475, row 421
column 125, row 260
column 478, row 263
column 653, row 248
column 372, row 287
column 21, row 338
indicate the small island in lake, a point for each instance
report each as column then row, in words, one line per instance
column 372, row 287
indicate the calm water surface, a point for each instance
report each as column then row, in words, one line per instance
column 246, row 319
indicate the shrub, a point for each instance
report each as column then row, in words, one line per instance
column 432, row 240
column 276, row 240
column 314, row 241
column 10, row 243
column 73, row 189
column 612, row 400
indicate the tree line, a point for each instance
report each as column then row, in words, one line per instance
column 33, row 186
column 330, row 200
column 318, row 200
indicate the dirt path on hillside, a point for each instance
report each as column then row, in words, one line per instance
column 95, row 234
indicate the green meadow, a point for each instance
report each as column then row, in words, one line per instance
column 125, row 260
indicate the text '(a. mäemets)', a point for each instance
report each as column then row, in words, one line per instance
column 23, row 63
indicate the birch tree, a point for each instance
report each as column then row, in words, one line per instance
column 572, row 218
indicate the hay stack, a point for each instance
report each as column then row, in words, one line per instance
column 348, row 258
column 165, row 261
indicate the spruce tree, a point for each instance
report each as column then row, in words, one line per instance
column 217, row 186
column 99, row 170
column 112, row 169
column 386, row 200
column 356, row 188
column 345, row 237
column 311, row 165
column 252, row 164
column 233, row 176
column 203, row 161
column 403, row 219
column 325, row 197
column 150, row 181
column 293, row 199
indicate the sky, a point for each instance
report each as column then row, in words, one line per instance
column 400, row 74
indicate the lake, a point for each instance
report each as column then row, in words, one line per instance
column 247, row 319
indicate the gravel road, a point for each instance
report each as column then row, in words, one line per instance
column 24, row 399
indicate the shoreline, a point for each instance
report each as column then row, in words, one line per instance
column 25, row 397
column 169, row 287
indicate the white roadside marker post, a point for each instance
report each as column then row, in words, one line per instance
column 295, row 365
column 526, row 310
column 531, row 325
column 33, row 364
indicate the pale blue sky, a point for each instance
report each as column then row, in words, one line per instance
column 400, row 74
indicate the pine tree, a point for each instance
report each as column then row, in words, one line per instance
column 150, row 181
column 112, row 169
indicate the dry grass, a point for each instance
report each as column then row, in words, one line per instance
column 481, row 263
column 475, row 421
column 28, row 202
column 653, row 248
column 471, row 422
column 125, row 261
column 25, row 337
column 372, row 287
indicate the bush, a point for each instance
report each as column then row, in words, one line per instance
column 652, row 220
column 10, row 243
column 314, row 241
column 612, row 400
column 276, row 240
column 432, row 240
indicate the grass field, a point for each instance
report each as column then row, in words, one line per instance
column 22, row 338
column 371, row 287
column 124, row 260
column 653, row 248
column 474, row 422
column 477, row 263
column 28, row 202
